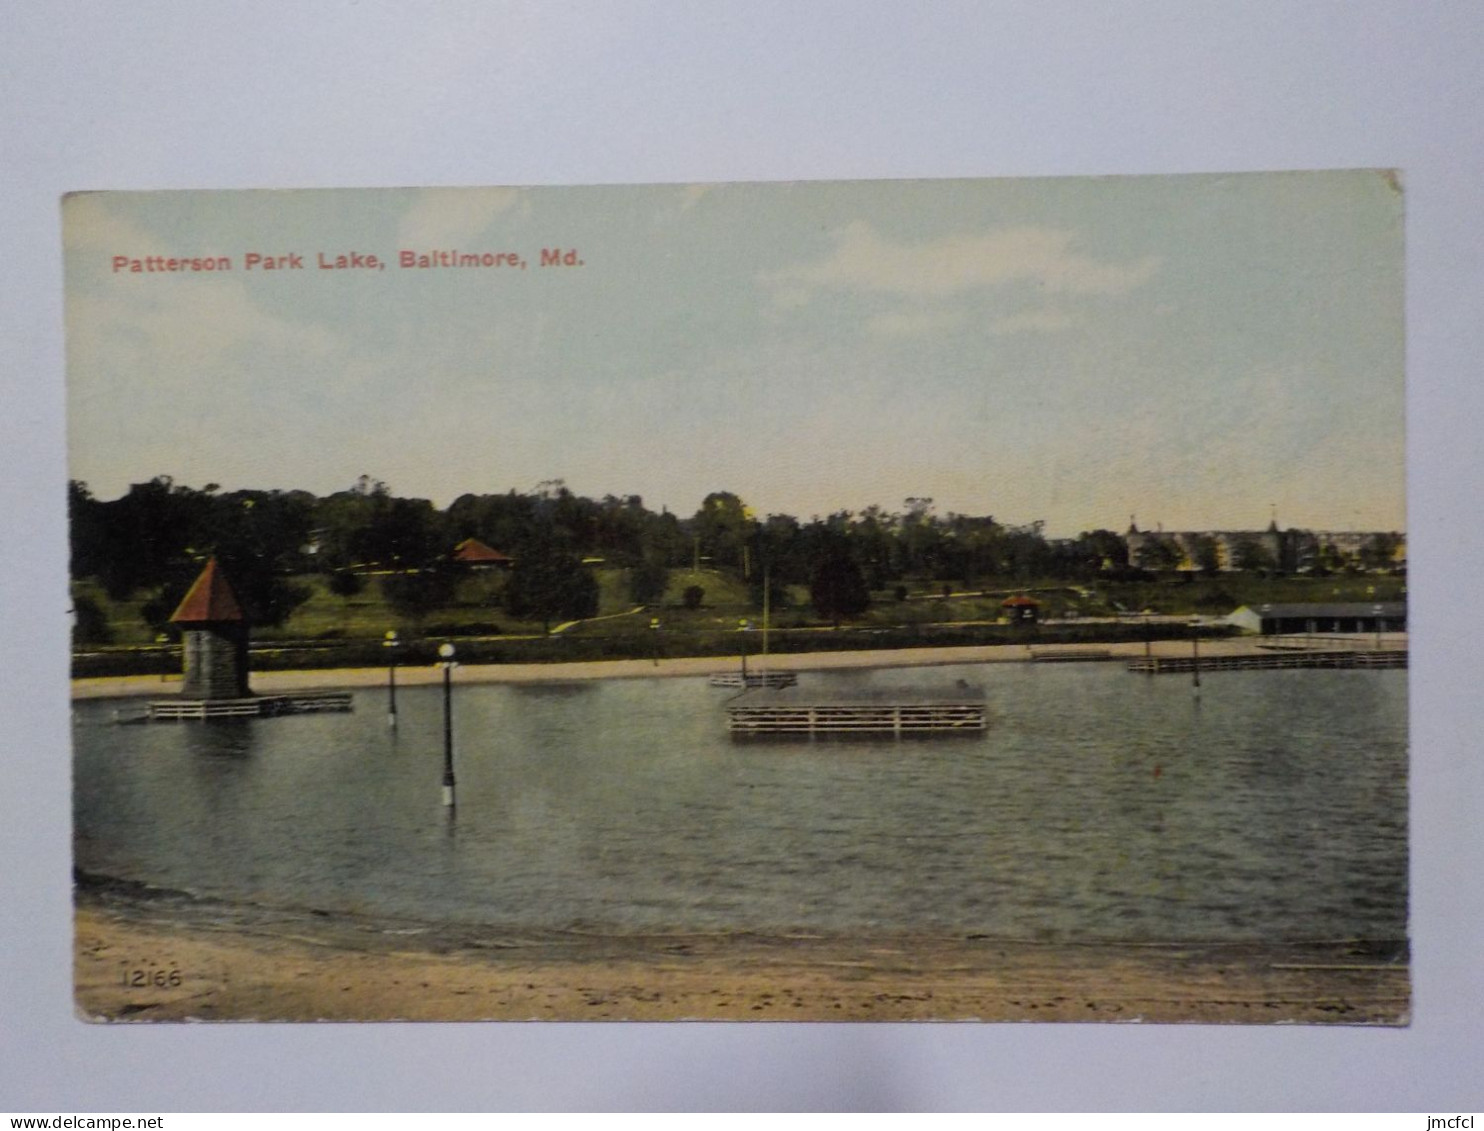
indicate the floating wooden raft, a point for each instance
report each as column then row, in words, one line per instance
column 753, row 679
column 1069, row 655
column 257, row 706
column 895, row 712
column 1392, row 658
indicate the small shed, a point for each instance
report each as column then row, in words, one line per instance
column 1021, row 609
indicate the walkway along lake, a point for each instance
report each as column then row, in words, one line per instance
column 1098, row 805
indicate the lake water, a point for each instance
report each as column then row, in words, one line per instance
column 1098, row 805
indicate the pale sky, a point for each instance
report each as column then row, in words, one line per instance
column 1193, row 350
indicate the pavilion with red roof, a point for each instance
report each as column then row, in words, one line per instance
column 473, row 552
column 1021, row 608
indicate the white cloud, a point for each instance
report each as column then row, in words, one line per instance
column 1032, row 321
column 913, row 323
column 448, row 218
column 864, row 260
column 189, row 336
column 88, row 224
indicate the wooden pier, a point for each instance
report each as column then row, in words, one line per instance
column 752, row 679
column 1348, row 658
column 253, row 707
column 886, row 712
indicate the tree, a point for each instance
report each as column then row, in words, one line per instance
column 1107, row 549
column 1156, row 553
column 1251, row 555
column 920, row 538
column 1379, row 551
column 837, row 588
column 255, row 537
column 141, row 540
column 268, row 597
column 87, row 530
column 776, row 596
column 647, row 581
column 90, row 624
column 548, row 582
column 501, row 521
column 416, row 593
column 402, row 532
column 1205, row 554
column 722, row 526
column 1026, row 553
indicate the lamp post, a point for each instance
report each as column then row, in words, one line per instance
column 447, row 664
column 1195, row 654
column 390, row 644
column 654, row 640
column 742, row 627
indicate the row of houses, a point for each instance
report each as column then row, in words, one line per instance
column 1283, row 551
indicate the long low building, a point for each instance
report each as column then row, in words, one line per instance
column 1289, row 619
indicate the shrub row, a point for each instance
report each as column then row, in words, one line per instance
column 665, row 644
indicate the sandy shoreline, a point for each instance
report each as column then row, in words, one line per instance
column 247, row 963
column 333, row 678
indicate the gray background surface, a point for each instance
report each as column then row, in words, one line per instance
column 273, row 93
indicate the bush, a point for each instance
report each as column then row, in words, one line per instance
column 647, row 582
column 418, row 592
column 91, row 625
column 471, row 628
column 344, row 583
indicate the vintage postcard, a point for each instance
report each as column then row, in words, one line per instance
column 920, row 600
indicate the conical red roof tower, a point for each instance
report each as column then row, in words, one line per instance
column 210, row 600
column 213, row 639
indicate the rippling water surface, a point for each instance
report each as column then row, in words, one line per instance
column 1099, row 805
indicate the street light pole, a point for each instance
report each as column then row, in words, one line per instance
column 1195, row 653
column 446, row 651
column 390, row 644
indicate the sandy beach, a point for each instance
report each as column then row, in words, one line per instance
column 335, row 678
column 259, row 964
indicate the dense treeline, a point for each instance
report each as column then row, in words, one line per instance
column 154, row 538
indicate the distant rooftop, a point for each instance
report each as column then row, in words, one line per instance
column 475, row 552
